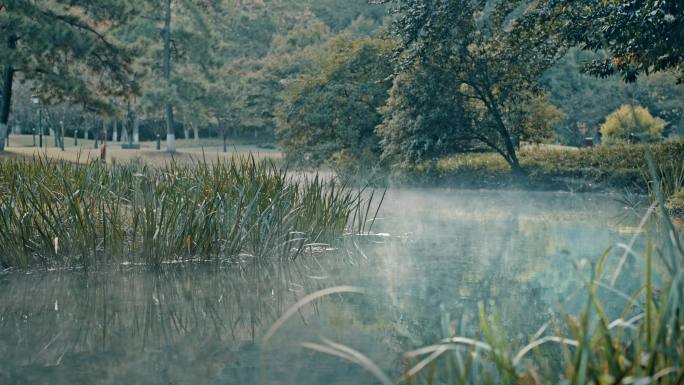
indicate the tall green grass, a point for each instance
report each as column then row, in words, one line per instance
column 55, row 213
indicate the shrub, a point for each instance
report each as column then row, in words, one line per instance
column 631, row 124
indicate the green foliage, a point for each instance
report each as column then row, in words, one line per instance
column 66, row 48
column 299, row 43
column 229, row 59
column 330, row 115
column 423, row 117
column 55, row 213
column 641, row 36
column 536, row 120
column 586, row 100
column 291, row 54
column 631, row 124
column 340, row 17
column 493, row 52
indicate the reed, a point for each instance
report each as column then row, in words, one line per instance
column 60, row 214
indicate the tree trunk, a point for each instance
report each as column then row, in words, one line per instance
column 61, row 134
column 170, row 132
column 129, row 124
column 512, row 157
column 510, row 147
column 40, row 126
column 159, row 135
column 7, row 79
column 170, row 135
column 115, row 130
column 186, row 132
column 222, row 129
column 124, row 133
column 136, row 128
column 195, row 132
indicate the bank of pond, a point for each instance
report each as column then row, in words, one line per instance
column 601, row 168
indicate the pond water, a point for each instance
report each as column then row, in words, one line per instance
column 441, row 252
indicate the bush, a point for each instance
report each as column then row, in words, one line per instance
column 631, row 124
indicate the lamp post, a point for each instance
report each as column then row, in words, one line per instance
column 36, row 101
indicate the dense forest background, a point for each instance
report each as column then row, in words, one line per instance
column 319, row 77
column 231, row 65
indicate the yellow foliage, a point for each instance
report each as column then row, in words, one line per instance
column 630, row 124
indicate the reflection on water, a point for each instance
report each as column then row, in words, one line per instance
column 449, row 250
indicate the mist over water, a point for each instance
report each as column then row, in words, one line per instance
column 440, row 253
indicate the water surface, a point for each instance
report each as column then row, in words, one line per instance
column 440, row 253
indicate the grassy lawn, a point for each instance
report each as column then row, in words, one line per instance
column 21, row 146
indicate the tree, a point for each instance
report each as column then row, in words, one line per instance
column 168, row 107
column 493, row 53
column 585, row 100
column 536, row 120
column 175, row 46
column 641, row 36
column 193, row 47
column 65, row 49
column 225, row 99
column 631, row 124
column 291, row 54
column 423, row 118
column 332, row 114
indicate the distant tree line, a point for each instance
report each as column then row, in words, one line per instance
column 214, row 66
column 342, row 82
column 489, row 76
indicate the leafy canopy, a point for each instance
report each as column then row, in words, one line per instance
column 641, row 36
column 331, row 115
column 65, row 48
column 488, row 53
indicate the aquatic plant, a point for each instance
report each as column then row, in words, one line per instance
column 56, row 213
